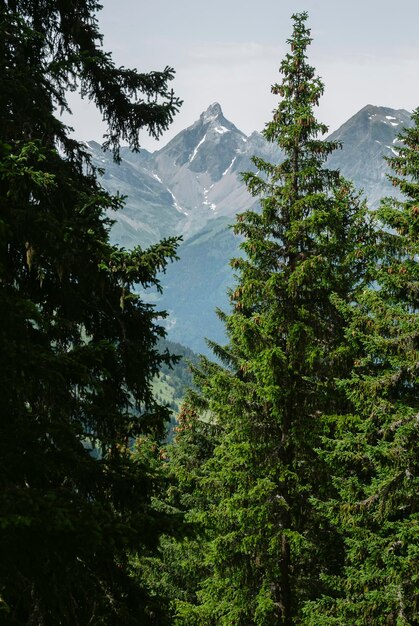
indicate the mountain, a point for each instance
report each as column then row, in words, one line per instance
column 197, row 284
column 182, row 187
column 368, row 137
column 201, row 166
column 192, row 187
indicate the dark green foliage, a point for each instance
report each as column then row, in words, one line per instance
column 78, row 347
column 265, row 544
column 375, row 457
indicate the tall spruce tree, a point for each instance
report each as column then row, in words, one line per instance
column 266, row 544
column 375, row 456
column 78, row 347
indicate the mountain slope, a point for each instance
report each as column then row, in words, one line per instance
column 197, row 284
column 150, row 212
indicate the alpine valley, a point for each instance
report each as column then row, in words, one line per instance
column 192, row 187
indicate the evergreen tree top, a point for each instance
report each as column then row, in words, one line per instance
column 300, row 91
column 301, row 176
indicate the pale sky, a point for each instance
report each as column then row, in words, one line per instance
column 229, row 51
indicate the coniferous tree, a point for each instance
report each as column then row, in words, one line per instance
column 78, row 347
column 374, row 458
column 266, row 545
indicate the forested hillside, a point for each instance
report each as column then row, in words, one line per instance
column 174, row 378
column 271, row 482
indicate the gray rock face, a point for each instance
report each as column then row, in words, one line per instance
column 192, row 186
column 201, row 168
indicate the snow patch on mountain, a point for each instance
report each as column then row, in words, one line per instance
column 176, row 205
column 195, row 152
column 392, row 123
column 229, row 167
column 211, row 205
column 175, row 202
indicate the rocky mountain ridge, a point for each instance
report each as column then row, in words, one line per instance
column 192, row 180
column 192, row 187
